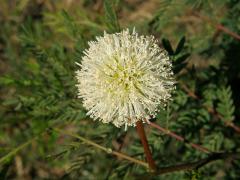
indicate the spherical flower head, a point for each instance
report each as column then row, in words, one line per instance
column 124, row 78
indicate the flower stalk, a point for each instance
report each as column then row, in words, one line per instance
column 142, row 135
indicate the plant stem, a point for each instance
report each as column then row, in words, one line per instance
column 198, row 164
column 142, row 135
column 194, row 165
column 179, row 138
column 107, row 150
column 219, row 27
column 16, row 150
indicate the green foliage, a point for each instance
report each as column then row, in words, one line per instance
column 40, row 43
column 225, row 105
column 193, row 175
column 110, row 16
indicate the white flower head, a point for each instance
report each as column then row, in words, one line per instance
column 124, row 78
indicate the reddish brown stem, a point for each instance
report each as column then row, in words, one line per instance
column 227, row 31
column 179, row 138
column 219, row 27
column 142, row 135
column 236, row 128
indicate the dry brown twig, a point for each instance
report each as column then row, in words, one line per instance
column 218, row 26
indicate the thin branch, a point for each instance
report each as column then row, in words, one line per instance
column 219, row 27
column 179, row 138
column 16, row 150
column 198, row 164
column 107, row 150
column 211, row 110
column 24, row 145
column 142, row 135
column 232, row 125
